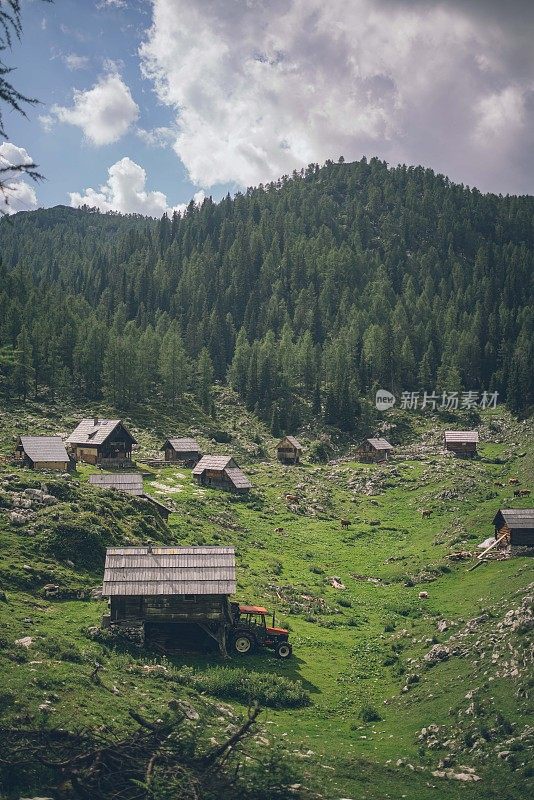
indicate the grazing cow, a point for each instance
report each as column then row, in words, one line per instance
column 278, row 530
column 345, row 523
column 514, row 481
column 498, row 483
column 292, row 498
column 423, row 595
column 426, row 512
column 518, row 493
column 524, row 492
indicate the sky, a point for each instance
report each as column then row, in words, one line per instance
column 145, row 104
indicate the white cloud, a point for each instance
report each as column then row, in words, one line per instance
column 125, row 191
column 104, row 113
column 17, row 194
column 111, row 4
column 500, row 114
column 74, row 61
column 261, row 88
column 47, row 122
column 156, row 137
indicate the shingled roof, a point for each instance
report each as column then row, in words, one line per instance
column 516, row 517
column 95, row 431
column 224, row 464
column 292, row 441
column 380, row 444
column 461, row 436
column 238, row 478
column 130, row 482
column 211, row 462
column 44, row 448
column 183, row 445
column 141, row 571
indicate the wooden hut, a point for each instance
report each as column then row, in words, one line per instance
column 461, row 442
column 221, row 472
column 167, row 595
column 517, row 524
column 130, row 483
column 183, row 451
column 104, row 442
column 42, row 452
column 288, row 450
column 376, row 449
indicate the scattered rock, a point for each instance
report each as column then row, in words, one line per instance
column 17, row 518
column 438, row 653
column 26, row 642
column 336, row 582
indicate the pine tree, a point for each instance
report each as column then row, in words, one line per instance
column 204, row 379
column 23, row 365
column 173, row 365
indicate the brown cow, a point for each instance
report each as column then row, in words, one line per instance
column 426, row 512
column 498, row 483
column 345, row 523
column 524, row 492
column 278, row 530
column 514, row 481
column 292, row 498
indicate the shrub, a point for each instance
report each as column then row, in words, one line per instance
column 369, row 714
column 222, row 437
column 344, row 602
column 7, row 699
column 82, row 539
column 319, row 452
column 228, row 683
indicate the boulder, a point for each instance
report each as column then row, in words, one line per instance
column 436, row 654
column 17, row 518
column 26, row 642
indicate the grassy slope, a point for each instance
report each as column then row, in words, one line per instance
column 343, row 652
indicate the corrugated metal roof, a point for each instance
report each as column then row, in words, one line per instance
column 44, row 448
column 183, row 445
column 238, row 478
column 517, row 517
column 130, row 482
column 169, row 571
column 212, row 462
column 87, row 432
column 380, row 444
column 292, row 441
column 461, row 436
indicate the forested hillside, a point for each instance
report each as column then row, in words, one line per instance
column 310, row 292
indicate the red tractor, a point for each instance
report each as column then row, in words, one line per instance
column 250, row 630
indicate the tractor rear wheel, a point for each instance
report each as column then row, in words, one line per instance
column 284, row 650
column 243, row 644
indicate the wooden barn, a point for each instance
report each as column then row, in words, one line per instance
column 170, row 597
column 461, row 442
column 221, row 472
column 182, row 451
column 376, row 449
column 104, row 442
column 42, row 452
column 517, row 524
column 130, row 483
column 288, row 450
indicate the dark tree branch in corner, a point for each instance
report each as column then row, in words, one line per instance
column 10, row 29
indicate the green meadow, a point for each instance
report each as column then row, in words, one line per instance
column 349, row 596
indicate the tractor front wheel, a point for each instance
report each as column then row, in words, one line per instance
column 284, row 650
column 243, row 644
